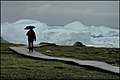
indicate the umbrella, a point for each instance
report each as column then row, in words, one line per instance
column 29, row 27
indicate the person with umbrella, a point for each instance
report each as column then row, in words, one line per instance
column 31, row 37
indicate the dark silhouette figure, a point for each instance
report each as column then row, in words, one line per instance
column 31, row 37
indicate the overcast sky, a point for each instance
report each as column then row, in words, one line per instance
column 99, row 13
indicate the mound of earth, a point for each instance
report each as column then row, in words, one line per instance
column 79, row 44
column 48, row 44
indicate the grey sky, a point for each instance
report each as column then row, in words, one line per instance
column 99, row 13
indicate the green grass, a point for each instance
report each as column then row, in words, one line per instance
column 14, row 66
column 109, row 55
column 5, row 46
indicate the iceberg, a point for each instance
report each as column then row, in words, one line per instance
column 100, row 36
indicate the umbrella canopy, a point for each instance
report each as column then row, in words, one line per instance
column 29, row 27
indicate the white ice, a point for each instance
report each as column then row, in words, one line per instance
column 100, row 36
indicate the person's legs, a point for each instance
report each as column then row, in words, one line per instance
column 29, row 46
column 32, row 45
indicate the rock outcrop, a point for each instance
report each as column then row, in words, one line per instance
column 79, row 44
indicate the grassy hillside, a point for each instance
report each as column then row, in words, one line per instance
column 14, row 66
column 109, row 55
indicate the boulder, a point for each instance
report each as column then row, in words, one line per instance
column 48, row 44
column 48, row 51
column 79, row 44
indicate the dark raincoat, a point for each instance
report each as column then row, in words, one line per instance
column 31, row 35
